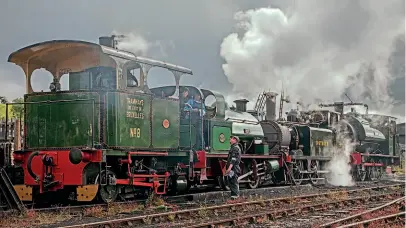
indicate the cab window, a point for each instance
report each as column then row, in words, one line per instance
column 93, row 78
column 132, row 80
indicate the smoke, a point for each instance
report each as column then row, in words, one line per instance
column 139, row 45
column 339, row 166
column 134, row 43
column 324, row 49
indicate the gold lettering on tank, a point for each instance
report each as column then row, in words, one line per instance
column 135, row 108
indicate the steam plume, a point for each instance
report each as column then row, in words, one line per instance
column 325, row 48
column 339, row 167
column 139, row 45
column 134, row 43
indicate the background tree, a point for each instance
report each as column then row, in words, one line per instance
column 17, row 110
column 3, row 100
column 14, row 111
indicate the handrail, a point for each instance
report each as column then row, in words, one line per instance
column 242, row 121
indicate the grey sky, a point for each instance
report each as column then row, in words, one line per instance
column 187, row 33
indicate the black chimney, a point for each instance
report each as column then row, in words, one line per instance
column 107, row 41
column 270, row 105
column 339, row 107
column 241, row 105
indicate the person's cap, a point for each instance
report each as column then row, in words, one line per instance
column 185, row 89
column 235, row 137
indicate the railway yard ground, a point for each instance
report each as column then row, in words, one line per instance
column 366, row 203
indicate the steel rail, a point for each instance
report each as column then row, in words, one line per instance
column 362, row 213
column 391, row 216
column 105, row 206
column 181, row 213
column 285, row 212
column 188, row 196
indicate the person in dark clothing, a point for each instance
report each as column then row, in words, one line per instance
column 195, row 111
column 183, row 100
column 233, row 166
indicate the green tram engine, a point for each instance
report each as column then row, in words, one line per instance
column 106, row 130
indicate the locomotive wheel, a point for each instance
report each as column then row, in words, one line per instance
column 361, row 174
column 373, row 173
column 254, row 178
column 108, row 193
column 314, row 176
column 253, row 184
column 379, row 172
column 177, row 185
column 223, row 183
column 297, row 175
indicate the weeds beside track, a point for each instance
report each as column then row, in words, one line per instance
column 237, row 212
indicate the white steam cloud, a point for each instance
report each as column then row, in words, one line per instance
column 323, row 50
column 139, row 45
column 339, row 166
column 134, row 43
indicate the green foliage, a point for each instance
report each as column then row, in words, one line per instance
column 3, row 100
column 3, row 111
column 17, row 110
column 14, row 111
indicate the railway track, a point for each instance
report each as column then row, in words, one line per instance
column 196, row 195
column 201, row 192
column 188, row 197
column 134, row 207
column 252, row 211
column 333, row 216
column 392, row 221
column 101, row 206
column 391, row 213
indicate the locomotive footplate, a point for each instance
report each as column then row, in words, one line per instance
column 24, row 192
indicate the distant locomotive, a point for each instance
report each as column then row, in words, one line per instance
column 110, row 134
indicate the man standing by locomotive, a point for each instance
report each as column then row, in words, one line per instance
column 233, row 166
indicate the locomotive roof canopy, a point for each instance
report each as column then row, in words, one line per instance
column 62, row 56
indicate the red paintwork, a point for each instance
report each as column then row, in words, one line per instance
column 223, row 166
column 373, row 164
column 64, row 171
column 67, row 173
column 201, row 157
column 210, row 155
column 86, row 156
column 281, row 160
column 142, row 179
column 379, row 155
column 356, row 158
column 208, row 172
column 18, row 157
column 288, row 158
column 201, row 164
